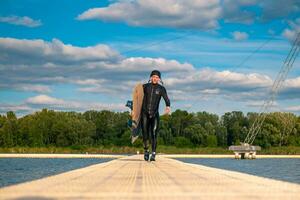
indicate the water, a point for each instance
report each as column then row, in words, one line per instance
column 18, row 170
column 285, row 169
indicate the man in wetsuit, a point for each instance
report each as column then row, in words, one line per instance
column 150, row 116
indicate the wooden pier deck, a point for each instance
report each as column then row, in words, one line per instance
column 132, row 178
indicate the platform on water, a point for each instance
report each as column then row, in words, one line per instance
column 133, row 178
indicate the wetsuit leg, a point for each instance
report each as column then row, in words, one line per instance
column 145, row 130
column 154, row 126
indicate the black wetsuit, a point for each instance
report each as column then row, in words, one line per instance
column 150, row 115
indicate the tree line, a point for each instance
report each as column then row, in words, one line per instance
column 181, row 129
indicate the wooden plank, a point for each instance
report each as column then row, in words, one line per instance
column 133, row 178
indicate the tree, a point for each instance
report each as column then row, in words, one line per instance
column 196, row 133
column 179, row 120
column 182, row 142
column 235, row 123
column 9, row 130
column 211, row 141
column 221, row 134
column 165, row 131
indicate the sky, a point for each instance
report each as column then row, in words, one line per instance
column 214, row 55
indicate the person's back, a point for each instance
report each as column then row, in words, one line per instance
column 150, row 112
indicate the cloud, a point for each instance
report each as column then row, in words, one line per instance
column 192, row 14
column 279, row 9
column 292, row 109
column 113, row 77
column 22, row 21
column 253, row 103
column 34, row 65
column 210, row 79
column 237, row 35
column 41, row 101
column 34, row 88
column 44, row 100
column 195, row 14
column 234, row 11
column 291, row 32
column 205, row 84
column 89, row 82
column 290, row 89
column 26, row 87
column 210, row 91
column 243, row 11
column 292, row 83
column 134, row 63
column 51, row 53
column 15, row 108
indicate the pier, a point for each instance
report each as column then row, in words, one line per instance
column 131, row 177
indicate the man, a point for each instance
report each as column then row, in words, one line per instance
column 150, row 116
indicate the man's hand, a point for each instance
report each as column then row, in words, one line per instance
column 167, row 110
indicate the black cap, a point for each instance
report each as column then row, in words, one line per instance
column 155, row 72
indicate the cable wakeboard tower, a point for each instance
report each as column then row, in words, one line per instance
column 246, row 149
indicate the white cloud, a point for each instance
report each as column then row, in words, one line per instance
column 51, row 53
column 292, row 83
column 237, row 35
column 205, row 84
column 210, row 91
column 197, row 14
column 33, row 65
column 290, row 89
column 192, row 14
column 89, row 81
column 291, row 33
column 39, row 102
column 112, row 77
column 225, row 79
column 23, row 21
column 259, row 104
column 34, row 88
column 45, row 100
column 42, row 101
column 292, row 109
column 15, row 108
column 148, row 64
column 26, row 87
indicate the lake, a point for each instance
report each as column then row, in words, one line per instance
column 285, row 169
column 18, row 170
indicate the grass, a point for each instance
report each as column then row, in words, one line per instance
column 290, row 150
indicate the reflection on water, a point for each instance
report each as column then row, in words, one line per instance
column 18, row 170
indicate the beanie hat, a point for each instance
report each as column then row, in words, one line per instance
column 155, row 72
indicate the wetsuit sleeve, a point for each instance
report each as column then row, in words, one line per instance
column 165, row 96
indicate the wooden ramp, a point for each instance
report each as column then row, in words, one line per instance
column 133, row 178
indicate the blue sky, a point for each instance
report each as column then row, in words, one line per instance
column 215, row 56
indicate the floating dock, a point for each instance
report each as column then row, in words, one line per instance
column 245, row 151
column 133, row 178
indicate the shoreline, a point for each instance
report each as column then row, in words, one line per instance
column 58, row 155
column 116, row 156
column 223, row 156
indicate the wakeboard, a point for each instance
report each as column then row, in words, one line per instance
column 136, row 107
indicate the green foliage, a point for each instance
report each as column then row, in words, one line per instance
column 212, row 141
column 138, row 143
column 182, row 142
column 82, row 131
column 9, row 130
